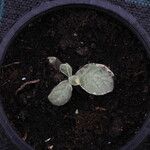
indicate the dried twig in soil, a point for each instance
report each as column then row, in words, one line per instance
column 26, row 83
column 8, row 65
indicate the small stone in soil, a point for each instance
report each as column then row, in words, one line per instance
column 47, row 139
column 50, row 147
column 75, row 34
column 23, row 78
column 82, row 43
column 77, row 112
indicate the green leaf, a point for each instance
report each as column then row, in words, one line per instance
column 61, row 93
column 66, row 69
column 96, row 79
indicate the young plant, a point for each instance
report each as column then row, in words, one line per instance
column 94, row 78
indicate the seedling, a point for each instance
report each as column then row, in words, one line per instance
column 94, row 78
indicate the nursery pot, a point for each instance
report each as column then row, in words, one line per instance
column 114, row 11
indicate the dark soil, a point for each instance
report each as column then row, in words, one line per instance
column 77, row 36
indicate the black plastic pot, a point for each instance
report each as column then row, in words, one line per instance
column 114, row 11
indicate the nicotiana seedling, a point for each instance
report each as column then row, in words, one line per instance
column 94, row 78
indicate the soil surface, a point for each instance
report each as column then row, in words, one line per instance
column 76, row 36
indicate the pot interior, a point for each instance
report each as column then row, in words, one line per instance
column 76, row 35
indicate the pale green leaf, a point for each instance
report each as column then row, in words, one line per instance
column 96, row 79
column 66, row 69
column 61, row 93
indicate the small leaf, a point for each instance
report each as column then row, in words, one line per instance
column 96, row 79
column 61, row 93
column 66, row 69
column 52, row 59
column 74, row 80
column 55, row 62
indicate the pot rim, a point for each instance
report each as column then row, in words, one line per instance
column 111, row 9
